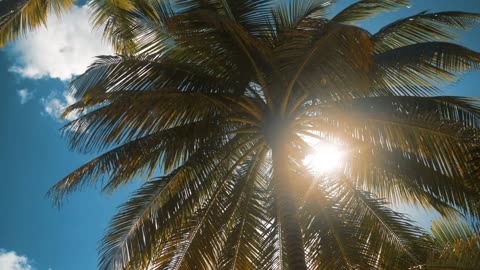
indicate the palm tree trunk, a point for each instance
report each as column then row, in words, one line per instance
column 287, row 210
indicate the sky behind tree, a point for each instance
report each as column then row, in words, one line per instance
column 34, row 72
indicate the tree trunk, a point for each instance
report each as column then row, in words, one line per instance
column 287, row 209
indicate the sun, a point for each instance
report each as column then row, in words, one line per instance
column 325, row 158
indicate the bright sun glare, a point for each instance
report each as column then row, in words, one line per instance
column 325, row 158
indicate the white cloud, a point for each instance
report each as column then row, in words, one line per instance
column 65, row 49
column 11, row 261
column 24, row 95
column 54, row 105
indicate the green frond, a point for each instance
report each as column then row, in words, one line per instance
column 329, row 241
column 123, row 120
column 181, row 197
column 132, row 217
column 208, row 233
column 389, row 234
column 17, row 18
column 419, row 133
column 122, row 20
column 366, row 9
column 475, row 156
column 289, row 14
column 449, row 232
column 465, row 111
column 423, row 27
column 252, row 15
column 420, row 68
column 458, row 245
column 114, row 73
column 248, row 213
column 364, row 232
column 402, row 179
column 326, row 62
column 141, row 156
column 271, row 252
column 223, row 39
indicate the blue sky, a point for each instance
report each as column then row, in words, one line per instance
column 33, row 76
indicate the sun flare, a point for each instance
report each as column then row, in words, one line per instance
column 325, row 158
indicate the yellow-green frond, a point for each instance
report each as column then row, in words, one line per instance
column 20, row 17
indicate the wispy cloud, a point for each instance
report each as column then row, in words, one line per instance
column 24, row 95
column 55, row 105
column 9, row 260
column 65, row 49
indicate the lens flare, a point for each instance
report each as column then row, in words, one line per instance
column 325, row 158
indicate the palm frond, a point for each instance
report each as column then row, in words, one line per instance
column 252, row 15
column 222, row 39
column 420, row 68
column 289, row 14
column 389, row 234
column 123, row 19
column 366, row 9
column 458, row 245
column 112, row 73
column 464, row 111
column 207, row 230
column 403, row 180
column 423, row 27
column 315, row 61
column 141, row 156
column 402, row 128
column 271, row 251
column 19, row 17
column 329, row 240
column 247, row 245
column 185, row 191
column 123, row 120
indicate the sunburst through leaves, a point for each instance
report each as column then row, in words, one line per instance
column 219, row 95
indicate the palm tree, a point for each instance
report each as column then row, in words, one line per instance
column 222, row 99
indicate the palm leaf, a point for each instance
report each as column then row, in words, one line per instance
column 159, row 212
column 120, row 120
column 366, row 9
column 423, row 27
column 19, row 17
column 245, row 253
column 141, row 156
column 252, row 15
column 289, row 14
column 458, row 244
column 402, row 128
column 315, row 61
column 122, row 20
column 418, row 69
column 113, row 73
column 404, row 180
column 330, row 241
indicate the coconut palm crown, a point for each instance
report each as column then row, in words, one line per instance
column 222, row 99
